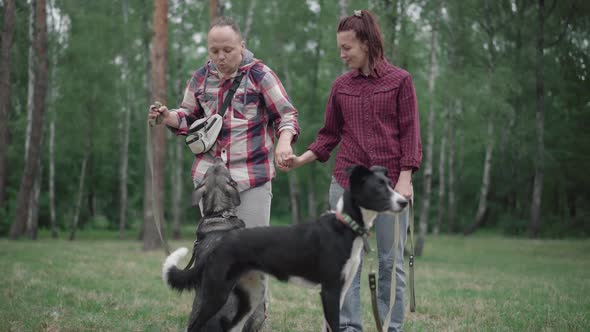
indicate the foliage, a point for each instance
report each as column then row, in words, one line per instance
column 296, row 39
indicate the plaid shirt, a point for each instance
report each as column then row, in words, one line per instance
column 375, row 120
column 251, row 121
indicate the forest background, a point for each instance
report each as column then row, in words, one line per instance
column 503, row 92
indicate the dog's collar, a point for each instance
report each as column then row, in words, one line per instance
column 356, row 228
column 345, row 218
column 220, row 215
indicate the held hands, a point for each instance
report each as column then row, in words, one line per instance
column 157, row 114
column 292, row 161
column 282, row 154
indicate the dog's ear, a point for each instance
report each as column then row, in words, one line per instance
column 379, row 169
column 235, row 194
column 358, row 175
column 198, row 194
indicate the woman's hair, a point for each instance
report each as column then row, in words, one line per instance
column 224, row 21
column 366, row 29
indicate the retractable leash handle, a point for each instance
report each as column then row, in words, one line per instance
column 158, row 119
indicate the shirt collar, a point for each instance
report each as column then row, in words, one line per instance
column 378, row 71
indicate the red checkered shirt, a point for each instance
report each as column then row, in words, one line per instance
column 375, row 120
column 251, row 121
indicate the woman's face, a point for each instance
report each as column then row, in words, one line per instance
column 353, row 52
column 225, row 49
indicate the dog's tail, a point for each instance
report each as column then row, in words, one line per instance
column 176, row 278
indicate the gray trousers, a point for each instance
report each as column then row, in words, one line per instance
column 254, row 210
column 350, row 313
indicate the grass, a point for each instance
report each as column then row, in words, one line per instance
column 481, row 283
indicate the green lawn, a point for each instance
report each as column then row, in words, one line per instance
column 481, row 283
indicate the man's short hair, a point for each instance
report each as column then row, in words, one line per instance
column 224, row 21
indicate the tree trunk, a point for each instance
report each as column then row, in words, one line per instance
column 176, row 174
column 312, row 206
column 485, row 181
column 390, row 8
column 6, row 41
column 295, row 198
column 441, row 173
column 451, row 142
column 155, row 188
column 79, row 199
column 535, row 223
column 213, row 6
column 52, row 93
column 145, row 41
column 91, row 199
column 343, row 8
column 32, row 205
column 249, row 19
column 423, row 224
column 487, row 169
column 124, row 166
column 33, row 219
column 52, row 177
column 40, row 93
column 177, row 189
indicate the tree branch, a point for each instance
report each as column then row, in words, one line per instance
column 564, row 31
column 551, row 9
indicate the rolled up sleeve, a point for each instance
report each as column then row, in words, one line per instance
column 282, row 112
column 189, row 109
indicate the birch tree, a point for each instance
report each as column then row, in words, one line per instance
column 125, row 128
column 425, row 209
column 441, row 173
column 482, row 207
column 6, row 41
column 39, row 106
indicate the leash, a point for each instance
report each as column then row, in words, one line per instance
column 372, row 280
column 157, row 221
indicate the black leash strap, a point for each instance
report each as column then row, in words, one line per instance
column 192, row 260
column 230, row 94
column 373, row 288
column 411, row 260
column 226, row 102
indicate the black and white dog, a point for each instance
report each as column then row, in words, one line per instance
column 326, row 252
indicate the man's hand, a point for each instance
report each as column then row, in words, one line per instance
column 158, row 114
column 284, row 150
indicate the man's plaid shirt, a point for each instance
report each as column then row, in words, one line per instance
column 260, row 109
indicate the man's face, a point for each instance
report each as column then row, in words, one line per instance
column 225, row 49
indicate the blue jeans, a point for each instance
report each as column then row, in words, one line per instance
column 350, row 313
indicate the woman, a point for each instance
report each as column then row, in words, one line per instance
column 372, row 113
column 260, row 110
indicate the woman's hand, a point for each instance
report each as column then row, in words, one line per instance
column 297, row 161
column 404, row 184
